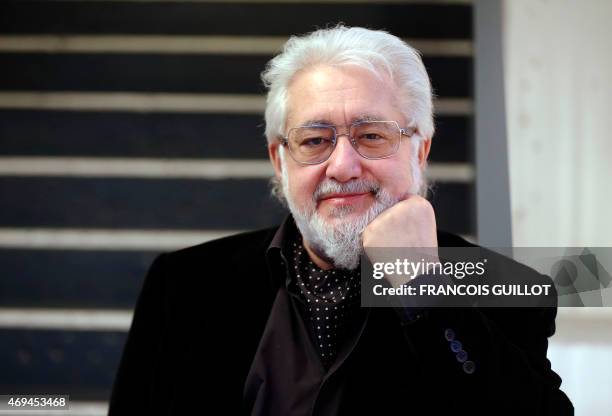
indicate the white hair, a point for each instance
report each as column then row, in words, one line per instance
column 374, row 50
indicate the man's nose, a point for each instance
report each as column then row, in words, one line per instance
column 344, row 163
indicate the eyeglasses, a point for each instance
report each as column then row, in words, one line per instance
column 314, row 144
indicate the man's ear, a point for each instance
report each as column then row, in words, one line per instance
column 274, row 153
column 424, row 149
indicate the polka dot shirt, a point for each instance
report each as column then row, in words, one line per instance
column 330, row 301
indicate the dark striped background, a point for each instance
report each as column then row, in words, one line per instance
column 83, row 363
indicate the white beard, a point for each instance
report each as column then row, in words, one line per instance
column 340, row 244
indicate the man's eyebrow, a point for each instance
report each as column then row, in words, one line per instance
column 367, row 117
column 326, row 122
column 317, row 122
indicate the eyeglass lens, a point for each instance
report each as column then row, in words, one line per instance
column 372, row 140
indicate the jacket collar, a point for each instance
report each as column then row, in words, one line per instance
column 276, row 259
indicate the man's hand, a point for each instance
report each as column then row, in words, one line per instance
column 409, row 224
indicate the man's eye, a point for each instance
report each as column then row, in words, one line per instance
column 371, row 137
column 314, row 141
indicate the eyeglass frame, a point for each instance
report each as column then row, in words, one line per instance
column 404, row 131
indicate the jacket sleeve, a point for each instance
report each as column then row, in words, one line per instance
column 137, row 381
column 502, row 367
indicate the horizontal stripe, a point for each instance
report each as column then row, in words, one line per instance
column 80, row 363
column 179, row 168
column 66, row 319
column 252, row 45
column 450, row 172
column 222, row 18
column 44, row 274
column 129, row 101
column 135, row 168
column 179, row 73
column 172, row 135
column 170, row 102
column 128, row 203
column 136, row 134
column 173, row 204
column 105, row 239
column 453, row 107
column 302, row 1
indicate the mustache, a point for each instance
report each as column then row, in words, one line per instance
column 331, row 186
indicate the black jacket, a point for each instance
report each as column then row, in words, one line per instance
column 202, row 311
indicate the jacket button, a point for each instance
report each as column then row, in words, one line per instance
column 449, row 334
column 455, row 346
column 461, row 356
column 469, row 367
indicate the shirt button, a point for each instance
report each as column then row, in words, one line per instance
column 469, row 367
column 455, row 346
column 461, row 356
column 449, row 334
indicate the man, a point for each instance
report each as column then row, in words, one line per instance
column 270, row 322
